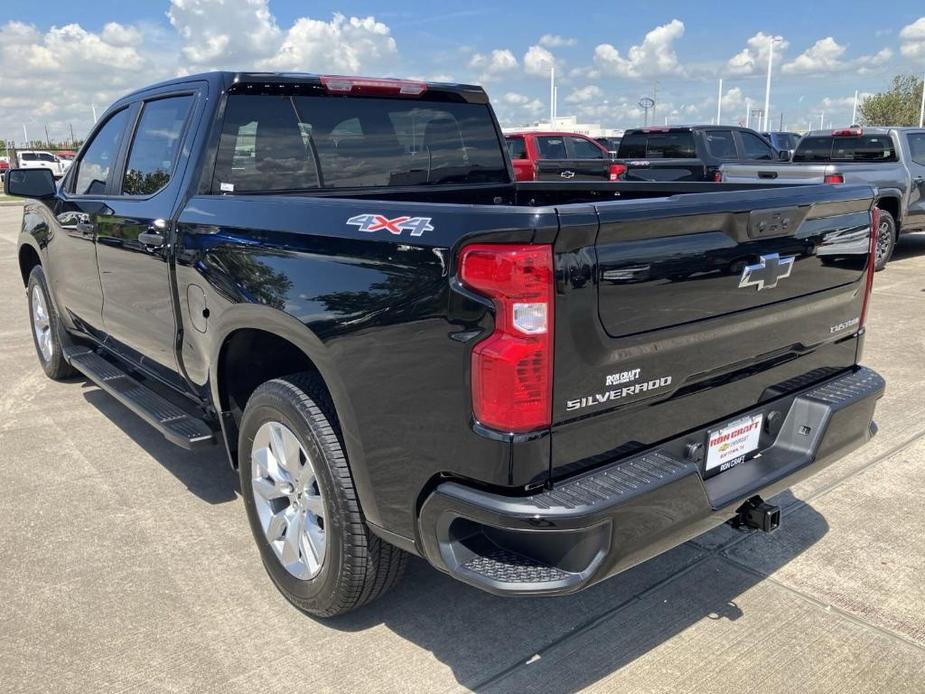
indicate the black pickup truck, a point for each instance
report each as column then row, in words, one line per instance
column 532, row 386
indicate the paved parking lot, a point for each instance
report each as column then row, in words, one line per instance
column 126, row 564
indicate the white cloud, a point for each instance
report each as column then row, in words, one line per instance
column 216, row 32
column 753, row 58
column 912, row 37
column 585, row 94
column 53, row 76
column 653, row 57
column 538, row 61
column 827, row 56
column 556, row 41
column 823, row 56
column 733, row 100
column 498, row 62
column 515, row 108
column 342, row 45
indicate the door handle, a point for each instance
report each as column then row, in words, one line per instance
column 151, row 238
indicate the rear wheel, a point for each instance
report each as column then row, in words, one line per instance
column 886, row 240
column 46, row 329
column 301, row 503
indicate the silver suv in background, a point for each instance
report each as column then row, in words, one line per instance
column 40, row 159
column 890, row 159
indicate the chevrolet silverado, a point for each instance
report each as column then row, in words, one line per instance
column 533, row 386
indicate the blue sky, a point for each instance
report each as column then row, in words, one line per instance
column 57, row 58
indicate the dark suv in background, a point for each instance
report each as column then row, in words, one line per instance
column 690, row 153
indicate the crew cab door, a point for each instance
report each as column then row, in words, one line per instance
column 915, row 214
column 134, row 247
column 77, row 213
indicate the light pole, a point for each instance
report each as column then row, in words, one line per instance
column 767, row 87
column 922, row 107
column 854, row 111
column 645, row 103
column 719, row 102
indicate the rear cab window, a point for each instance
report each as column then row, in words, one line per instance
column 830, row 148
column 278, row 143
column 657, row 145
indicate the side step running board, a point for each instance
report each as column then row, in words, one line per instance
column 177, row 426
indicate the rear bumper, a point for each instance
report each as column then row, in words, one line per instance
column 592, row 526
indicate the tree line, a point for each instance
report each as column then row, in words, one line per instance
column 898, row 105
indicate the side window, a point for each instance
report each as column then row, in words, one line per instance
column 517, row 148
column 917, row 148
column 28, row 156
column 551, row 148
column 721, row 144
column 156, row 145
column 582, row 149
column 45, row 156
column 755, row 147
column 96, row 163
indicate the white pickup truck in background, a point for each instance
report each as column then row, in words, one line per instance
column 40, row 159
column 890, row 159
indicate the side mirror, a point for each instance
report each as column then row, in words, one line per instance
column 29, row 183
column 783, row 155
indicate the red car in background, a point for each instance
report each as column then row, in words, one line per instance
column 560, row 156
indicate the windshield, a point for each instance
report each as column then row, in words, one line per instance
column 278, row 143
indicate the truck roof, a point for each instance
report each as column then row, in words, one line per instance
column 227, row 79
column 862, row 130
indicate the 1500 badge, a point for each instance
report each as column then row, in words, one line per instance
column 618, row 393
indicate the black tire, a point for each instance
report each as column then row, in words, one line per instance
column 358, row 566
column 886, row 240
column 54, row 365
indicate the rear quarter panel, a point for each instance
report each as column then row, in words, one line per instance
column 378, row 314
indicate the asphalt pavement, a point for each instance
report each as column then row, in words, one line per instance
column 126, row 564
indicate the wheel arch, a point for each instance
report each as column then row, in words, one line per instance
column 28, row 258
column 891, row 202
column 258, row 344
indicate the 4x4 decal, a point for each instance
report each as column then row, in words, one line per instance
column 375, row 222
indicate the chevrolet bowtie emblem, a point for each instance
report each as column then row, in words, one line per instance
column 770, row 270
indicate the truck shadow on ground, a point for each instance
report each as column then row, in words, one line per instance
column 531, row 644
column 567, row 643
column 909, row 246
column 205, row 472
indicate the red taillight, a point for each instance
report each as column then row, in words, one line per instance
column 717, row 176
column 834, row 178
column 371, row 85
column 848, row 132
column 617, row 171
column 871, row 262
column 512, row 367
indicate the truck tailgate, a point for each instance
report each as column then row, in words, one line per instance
column 679, row 312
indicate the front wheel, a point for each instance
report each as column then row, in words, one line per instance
column 302, row 505
column 46, row 329
column 886, row 240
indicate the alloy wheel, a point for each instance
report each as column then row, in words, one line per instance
column 288, row 500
